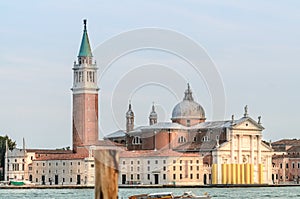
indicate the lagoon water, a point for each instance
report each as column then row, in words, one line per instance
column 255, row 193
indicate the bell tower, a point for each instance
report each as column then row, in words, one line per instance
column 85, row 96
column 129, row 119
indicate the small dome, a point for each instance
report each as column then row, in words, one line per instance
column 129, row 113
column 188, row 108
column 153, row 113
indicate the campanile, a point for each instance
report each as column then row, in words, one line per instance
column 85, row 96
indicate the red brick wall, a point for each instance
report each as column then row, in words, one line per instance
column 85, row 119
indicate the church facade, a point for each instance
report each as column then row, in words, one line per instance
column 188, row 150
column 207, row 152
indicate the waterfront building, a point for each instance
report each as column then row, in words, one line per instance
column 286, row 161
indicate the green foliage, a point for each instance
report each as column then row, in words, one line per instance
column 64, row 148
column 11, row 145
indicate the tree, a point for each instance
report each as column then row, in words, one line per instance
column 11, row 145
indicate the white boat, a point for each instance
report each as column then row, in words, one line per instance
column 191, row 195
column 170, row 195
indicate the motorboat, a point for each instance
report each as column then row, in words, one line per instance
column 170, row 195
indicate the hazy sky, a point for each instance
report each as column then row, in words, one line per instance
column 254, row 45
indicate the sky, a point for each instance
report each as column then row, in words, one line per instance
column 253, row 46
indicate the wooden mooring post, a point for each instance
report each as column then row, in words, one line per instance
column 106, row 173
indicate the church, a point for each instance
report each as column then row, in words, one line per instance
column 188, row 150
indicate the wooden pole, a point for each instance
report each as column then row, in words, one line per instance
column 106, row 174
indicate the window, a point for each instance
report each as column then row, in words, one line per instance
column 164, row 161
column 131, row 162
column 198, row 176
column 205, row 138
column 174, row 176
column 164, row 176
column 180, row 161
column 71, row 163
column 181, row 139
column 293, row 165
column 123, row 162
column 137, row 176
column 64, row 163
column 195, row 139
column 78, row 163
column 131, row 176
column 92, row 165
column 148, row 176
column 191, row 168
column 280, row 165
column 197, row 161
column 191, row 176
column 164, row 168
column 180, row 176
column 197, row 168
column 63, row 179
column 287, row 165
column 156, row 161
column 138, row 168
column 56, row 164
column 298, row 165
column 174, row 168
column 174, row 161
column 43, row 164
column 148, row 161
column 136, row 140
column 148, row 168
column 71, row 179
column 49, row 164
column 131, row 168
column 138, row 162
column 180, row 168
column 188, row 123
column 36, row 180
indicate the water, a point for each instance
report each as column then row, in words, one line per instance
column 264, row 192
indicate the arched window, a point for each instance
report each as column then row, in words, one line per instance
column 195, row 139
column 136, row 140
column 181, row 139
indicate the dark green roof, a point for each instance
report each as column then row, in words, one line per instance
column 85, row 48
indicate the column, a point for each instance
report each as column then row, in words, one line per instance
column 240, row 159
column 252, row 149
column 258, row 149
column 224, row 174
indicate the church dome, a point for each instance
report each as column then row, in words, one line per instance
column 188, row 108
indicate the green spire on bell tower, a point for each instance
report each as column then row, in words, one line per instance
column 85, row 47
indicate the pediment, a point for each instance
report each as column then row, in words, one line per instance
column 247, row 123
